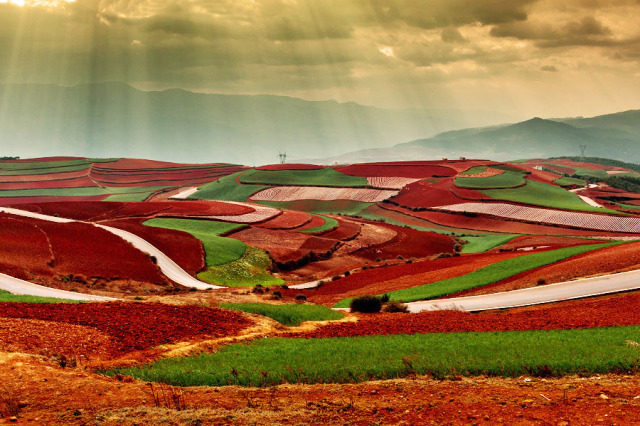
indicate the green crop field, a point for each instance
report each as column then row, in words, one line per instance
column 34, row 165
column 475, row 170
column 541, row 194
column 247, row 271
column 44, row 171
column 485, row 242
column 86, row 191
column 329, row 223
column 272, row 361
column 291, row 315
column 487, row 275
column 226, row 189
column 319, row 177
column 218, row 250
column 591, row 172
column 5, row 296
column 504, row 180
column 568, row 181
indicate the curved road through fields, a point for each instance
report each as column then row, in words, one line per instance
column 585, row 287
column 17, row 286
column 168, row 267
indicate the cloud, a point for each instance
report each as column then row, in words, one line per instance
column 452, row 35
column 549, row 68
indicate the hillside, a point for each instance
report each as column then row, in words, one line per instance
column 612, row 136
column 103, row 120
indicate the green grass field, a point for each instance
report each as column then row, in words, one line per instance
column 44, row 171
column 591, row 172
column 507, row 179
column 86, row 191
column 5, row 296
column 247, row 271
column 267, row 362
column 42, row 164
column 474, row 170
column 487, row 275
column 318, row 177
column 290, row 315
column 226, row 189
column 329, row 223
column 568, row 181
column 218, row 250
column 485, row 243
column 541, row 194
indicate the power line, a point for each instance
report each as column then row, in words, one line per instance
column 283, row 157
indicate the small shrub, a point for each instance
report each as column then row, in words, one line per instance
column 347, row 273
column 384, row 298
column 301, row 297
column 378, row 259
column 400, row 257
column 258, row 289
column 277, row 295
column 442, row 255
column 395, row 306
column 541, row 281
column 366, row 304
column 335, row 278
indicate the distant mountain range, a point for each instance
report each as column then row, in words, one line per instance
column 614, row 136
column 116, row 120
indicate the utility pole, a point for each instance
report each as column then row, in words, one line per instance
column 582, row 149
column 283, row 157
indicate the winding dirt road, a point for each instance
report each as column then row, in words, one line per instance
column 575, row 289
column 16, row 286
column 168, row 267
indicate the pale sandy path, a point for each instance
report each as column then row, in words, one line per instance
column 16, row 286
column 576, row 289
column 166, row 265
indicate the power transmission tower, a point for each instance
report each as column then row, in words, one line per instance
column 283, row 157
column 582, row 149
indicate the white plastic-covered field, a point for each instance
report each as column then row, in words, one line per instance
column 320, row 193
column 556, row 217
column 259, row 214
column 390, row 182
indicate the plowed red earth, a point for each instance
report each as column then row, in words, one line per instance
column 117, row 210
column 385, row 279
column 290, row 167
column 606, row 312
column 42, row 159
column 135, row 326
column 426, row 194
column 23, row 246
column 83, row 249
column 79, row 182
column 181, row 247
column 281, row 245
column 48, row 176
column 289, row 219
column 315, row 222
column 417, row 170
column 408, row 243
column 496, row 225
column 345, row 231
column 11, row 201
column 609, row 260
column 135, row 164
column 543, row 176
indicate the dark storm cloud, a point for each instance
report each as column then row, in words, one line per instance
column 587, row 31
column 452, row 35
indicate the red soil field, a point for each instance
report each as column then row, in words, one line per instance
column 620, row 258
column 78, row 182
column 315, row 222
column 42, row 159
column 544, row 241
column 163, row 177
column 135, row 164
column 586, row 165
column 290, row 167
column 181, row 247
column 559, row 169
column 23, row 247
column 289, row 219
column 346, row 230
column 282, row 245
column 48, row 176
column 83, row 249
column 468, row 194
column 418, row 170
column 463, row 165
column 543, row 176
column 426, row 194
column 15, row 201
column 408, row 243
column 135, row 326
column 606, row 312
column 74, row 210
column 496, row 225
column 385, row 279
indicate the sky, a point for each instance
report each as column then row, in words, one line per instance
column 545, row 58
